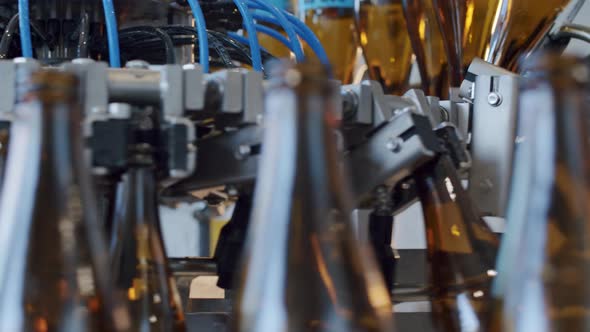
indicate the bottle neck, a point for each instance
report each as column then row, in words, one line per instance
column 555, row 158
column 453, row 224
column 142, row 189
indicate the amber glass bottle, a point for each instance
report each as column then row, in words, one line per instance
column 53, row 256
column 519, row 27
column 333, row 23
column 273, row 46
column 461, row 249
column 139, row 261
column 383, row 35
column 467, row 28
column 304, row 270
column 427, row 43
column 544, row 263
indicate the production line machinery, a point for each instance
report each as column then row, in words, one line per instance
column 202, row 130
column 211, row 135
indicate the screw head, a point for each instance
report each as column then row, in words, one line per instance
column 494, row 99
column 394, row 144
column 137, row 64
column 243, row 151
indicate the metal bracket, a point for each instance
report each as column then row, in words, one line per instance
column 492, row 141
column 93, row 83
column 181, row 151
column 236, row 157
column 392, row 152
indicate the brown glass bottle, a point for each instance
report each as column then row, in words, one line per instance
column 461, row 249
column 519, row 27
column 272, row 45
column 53, row 258
column 333, row 24
column 427, row 43
column 304, row 270
column 4, row 141
column 477, row 29
column 139, row 261
column 383, row 35
column 543, row 285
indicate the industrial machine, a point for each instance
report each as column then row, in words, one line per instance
column 174, row 100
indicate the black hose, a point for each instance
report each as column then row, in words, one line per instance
column 161, row 34
column 82, row 50
column 9, row 32
column 7, row 36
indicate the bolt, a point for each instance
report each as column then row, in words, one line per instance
column 137, row 64
column 486, row 185
column 120, row 110
column 191, row 66
column 191, row 147
column 494, row 99
column 82, row 61
column 243, row 151
column 395, row 144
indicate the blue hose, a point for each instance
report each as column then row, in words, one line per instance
column 274, row 34
column 242, row 39
column 202, row 33
column 252, row 38
column 295, row 47
column 305, row 33
column 112, row 33
column 25, row 28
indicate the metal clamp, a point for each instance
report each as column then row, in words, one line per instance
column 392, row 152
column 492, row 141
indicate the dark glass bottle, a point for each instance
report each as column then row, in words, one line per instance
column 304, row 270
column 544, row 264
column 450, row 15
column 138, row 256
column 53, row 256
column 333, row 24
column 4, row 141
column 461, row 249
column 520, row 26
column 383, row 35
column 428, row 46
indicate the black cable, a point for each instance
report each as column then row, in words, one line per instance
column 143, row 43
column 161, row 34
column 9, row 32
column 82, row 50
column 8, row 36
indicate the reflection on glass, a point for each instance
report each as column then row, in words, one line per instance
column 519, row 27
column 53, row 271
column 427, row 43
column 139, row 261
column 544, row 263
column 304, row 270
column 270, row 44
column 461, row 249
column 333, row 24
column 386, row 46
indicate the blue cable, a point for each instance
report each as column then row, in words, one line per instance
column 275, row 34
column 296, row 47
column 242, row 39
column 25, row 28
column 311, row 39
column 305, row 33
column 202, row 33
column 252, row 38
column 112, row 33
